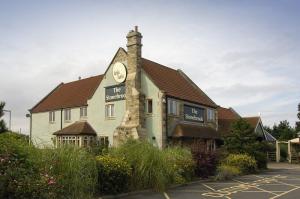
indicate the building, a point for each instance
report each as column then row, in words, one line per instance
column 135, row 97
column 228, row 115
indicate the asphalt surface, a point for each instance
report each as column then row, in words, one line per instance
column 280, row 181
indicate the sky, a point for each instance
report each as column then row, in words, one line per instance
column 243, row 54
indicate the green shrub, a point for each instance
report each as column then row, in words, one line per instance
column 227, row 172
column 74, row 170
column 113, row 174
column 181, row 161
column 20, row 175
column 244, row 162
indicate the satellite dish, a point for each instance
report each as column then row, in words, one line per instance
column 119, row 72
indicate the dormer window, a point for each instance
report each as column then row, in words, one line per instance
column 52, row 116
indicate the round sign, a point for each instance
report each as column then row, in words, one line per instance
column 119, row 72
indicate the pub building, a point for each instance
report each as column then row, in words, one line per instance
column 135, row 97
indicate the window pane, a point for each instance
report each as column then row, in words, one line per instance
column 149, row 106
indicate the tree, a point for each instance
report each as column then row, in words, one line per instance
column 298, row 122
column 2, row 123
column 283, row 131
column 242, row 139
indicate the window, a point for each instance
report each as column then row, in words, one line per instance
column 109, row 110
column 73, row 140
column 67, row 114
column 149, row 106
column 104, row 141
column 210, row 115
column 83, row 112
column 51, row 116
column 172, row 107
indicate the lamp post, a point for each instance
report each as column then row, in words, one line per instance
column 8, row 111
column 30, row 128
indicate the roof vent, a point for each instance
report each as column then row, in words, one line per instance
column 79, row 78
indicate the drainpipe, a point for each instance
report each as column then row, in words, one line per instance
column 166, row 104
column 61, row 120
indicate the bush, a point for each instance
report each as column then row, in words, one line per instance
column 206, row 164
column 19, row 170
column 182, row 163
column 155, row 168
column 28, row 172
column 74, row 170
column 227, row 172
column 113, row 174
column 244, row 162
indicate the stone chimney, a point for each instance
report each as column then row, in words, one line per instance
column 133, row 121
column 134, row 97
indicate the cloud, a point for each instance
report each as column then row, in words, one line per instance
column 248, row 60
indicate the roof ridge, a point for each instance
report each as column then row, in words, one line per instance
column 160, row 64
column 82, row 79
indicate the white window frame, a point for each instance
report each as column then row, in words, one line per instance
column 109, row 111
column 83, row 112
column 173, row 107
column 211, row 115
column 147, row 106
column 52, row 116
column 67, row 114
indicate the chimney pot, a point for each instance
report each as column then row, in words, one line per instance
column 136, row 28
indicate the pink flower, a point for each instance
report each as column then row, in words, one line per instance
column 51, row 181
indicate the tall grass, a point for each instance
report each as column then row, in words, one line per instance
column 74, row 169
column 152, row 167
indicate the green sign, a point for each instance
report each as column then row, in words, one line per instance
column 193, row 114
column 115, row 93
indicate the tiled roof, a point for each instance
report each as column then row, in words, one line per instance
column 72, row 94
column 253, row 121
column 227, row 113
column 175, row 83
column 77, row 128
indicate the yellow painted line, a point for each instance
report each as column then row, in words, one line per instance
column 166, row 195
column 256, row 187
column 285, row 193
column 209, row 187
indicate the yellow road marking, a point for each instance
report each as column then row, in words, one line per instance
column 166, row 195
column 284, row 193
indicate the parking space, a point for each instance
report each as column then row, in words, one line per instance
column 281, row 182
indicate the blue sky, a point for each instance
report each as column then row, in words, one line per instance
column 243, row 54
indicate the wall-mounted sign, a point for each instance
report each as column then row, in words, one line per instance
column 119, row 72
column 115, row 93
column 193, row 114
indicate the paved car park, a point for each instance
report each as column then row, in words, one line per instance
column 280, row 181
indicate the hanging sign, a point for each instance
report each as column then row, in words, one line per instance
column 115, row 93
